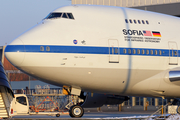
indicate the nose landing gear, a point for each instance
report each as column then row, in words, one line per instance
column 76, row 111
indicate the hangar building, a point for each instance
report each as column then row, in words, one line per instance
column 171, row 7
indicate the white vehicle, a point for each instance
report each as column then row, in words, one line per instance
column 101, row 49
column 20, row 106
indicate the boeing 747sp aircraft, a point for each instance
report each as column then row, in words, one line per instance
column 110, row 52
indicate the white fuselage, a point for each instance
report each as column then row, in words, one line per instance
column 97, row 51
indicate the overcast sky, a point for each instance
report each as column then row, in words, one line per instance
column 16, row 16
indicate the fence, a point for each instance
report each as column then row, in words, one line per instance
column 51, row 91
column 45, row 99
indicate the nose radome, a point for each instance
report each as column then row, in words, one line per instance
column 15, row 52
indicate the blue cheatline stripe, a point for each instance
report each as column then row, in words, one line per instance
column 86, row 50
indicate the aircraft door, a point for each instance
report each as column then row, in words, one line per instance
column 173, row 53
column 21, row 105
column 113, row 51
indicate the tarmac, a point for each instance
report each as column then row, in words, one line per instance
column 91, row 115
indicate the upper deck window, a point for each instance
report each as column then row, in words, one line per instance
column 130, row 21
column 147, row 22
column 143, row 22
column 139, row 21
column 126, row 20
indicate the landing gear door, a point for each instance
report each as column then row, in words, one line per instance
column 21, row 104
column 173, row 53
column 113, row 51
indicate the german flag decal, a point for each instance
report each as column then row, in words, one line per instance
column 156, row 34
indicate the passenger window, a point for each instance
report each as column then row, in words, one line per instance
column 151, row 52
column 70, row 16
column 147, row 22
column 175, row 52
column 21, row 100
column 47, row 48
column 116, row 50
column 143, row 52
column 112, row 50
column 130, row 21
column 126, row 20
column 139, row 21
column 155, row 52
column 124, row 51
column 138, row 51
column 143, row 22
column 129, row 51
column 41, row 48
column 135, row 21
column 64, row 15
column 147, row 52
column 134, row 51
column 160, row 53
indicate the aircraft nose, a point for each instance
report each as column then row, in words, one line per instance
column 15, row 52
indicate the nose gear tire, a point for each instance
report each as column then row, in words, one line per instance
column 76, row 111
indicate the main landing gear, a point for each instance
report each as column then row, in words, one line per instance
column 176, row 102
column 76, row 111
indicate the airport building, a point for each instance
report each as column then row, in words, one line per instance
column 170, row 7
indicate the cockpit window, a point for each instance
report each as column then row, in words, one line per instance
column 64, row 15
column 55, row 15
column 70, row 15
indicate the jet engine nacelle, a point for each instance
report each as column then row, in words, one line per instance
column 98, row 100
